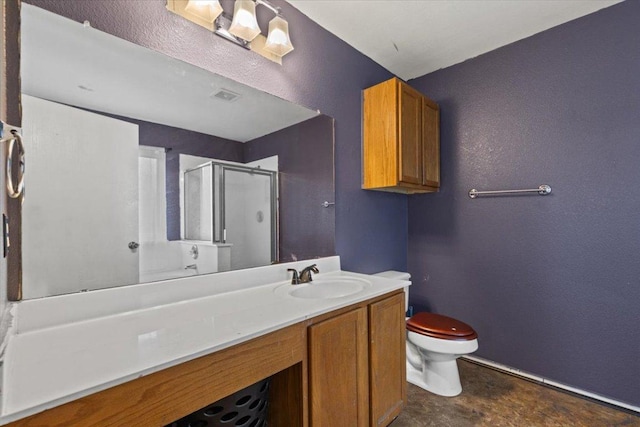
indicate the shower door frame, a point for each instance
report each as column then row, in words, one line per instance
column 218, row 234
column 273, row 181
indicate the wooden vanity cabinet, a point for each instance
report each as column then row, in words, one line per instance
column 159, row 398
column 387, row 359
column 339, row 370
column 401, row 139
column 356, row 364
column 343, row 368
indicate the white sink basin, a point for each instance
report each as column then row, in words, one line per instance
column 325, row 288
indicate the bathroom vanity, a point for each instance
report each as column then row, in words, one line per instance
column 146, row 355
column 357, row 364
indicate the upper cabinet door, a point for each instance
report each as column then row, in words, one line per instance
column 430, row 143
column 411, row 135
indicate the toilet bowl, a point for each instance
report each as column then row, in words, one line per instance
column 434, row 342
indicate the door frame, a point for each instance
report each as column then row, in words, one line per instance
column 10, row 113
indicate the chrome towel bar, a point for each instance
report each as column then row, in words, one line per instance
column 542, row 190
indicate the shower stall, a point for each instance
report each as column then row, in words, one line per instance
column 233, row 205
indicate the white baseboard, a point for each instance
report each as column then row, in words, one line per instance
column 542, row 380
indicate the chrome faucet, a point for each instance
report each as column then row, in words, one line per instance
column 304, row 276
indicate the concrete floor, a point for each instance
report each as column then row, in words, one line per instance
column 496, row 399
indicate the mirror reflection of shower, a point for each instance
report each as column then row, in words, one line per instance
column 235, row 208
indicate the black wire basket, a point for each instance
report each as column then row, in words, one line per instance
column 245, row 408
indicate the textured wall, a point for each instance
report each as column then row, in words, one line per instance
column 305, row 162
column 322, row 73
column 551, row 284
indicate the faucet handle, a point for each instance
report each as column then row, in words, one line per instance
column 295, row 280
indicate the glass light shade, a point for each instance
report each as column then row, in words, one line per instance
column 208, row 10
column 244, row 24
column 278, row 41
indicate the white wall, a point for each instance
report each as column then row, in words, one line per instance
column 268, row 163
column 169, row 259
column 152, row 201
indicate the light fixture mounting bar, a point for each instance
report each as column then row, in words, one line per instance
column 269, row 6
column 222, row 24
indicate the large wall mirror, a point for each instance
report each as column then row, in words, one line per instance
column 144, row 168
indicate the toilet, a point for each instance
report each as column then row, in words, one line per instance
column 434, row 342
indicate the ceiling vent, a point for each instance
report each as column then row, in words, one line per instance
column 226, row 95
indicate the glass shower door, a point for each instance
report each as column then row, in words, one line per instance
column 249, row 206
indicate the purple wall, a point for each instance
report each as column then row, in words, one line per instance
column 551, row 284
column 305, row 162
column 322, row 73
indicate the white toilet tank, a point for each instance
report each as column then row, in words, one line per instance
column 398, row 275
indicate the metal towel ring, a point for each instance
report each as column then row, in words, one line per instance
column 15, row 191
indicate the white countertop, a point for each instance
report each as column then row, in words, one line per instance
column 63, row 348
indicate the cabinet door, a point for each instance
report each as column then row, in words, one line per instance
column 431, row 143
column 411, row 135
column 380, row 157
column 387, row 359
column 338, row 371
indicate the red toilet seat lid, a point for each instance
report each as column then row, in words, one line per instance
column 439, row 326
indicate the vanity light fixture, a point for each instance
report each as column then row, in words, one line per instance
column 243, row 28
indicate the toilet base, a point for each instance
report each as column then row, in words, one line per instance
column 438, row 377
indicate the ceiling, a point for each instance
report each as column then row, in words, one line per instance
column 413, row 38
column 67, row 62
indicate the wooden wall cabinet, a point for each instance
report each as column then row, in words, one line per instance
column 357, row 371
column 401, row 139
